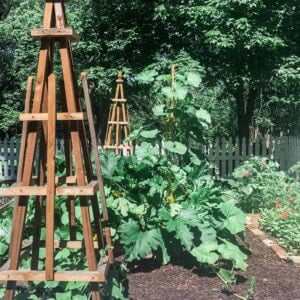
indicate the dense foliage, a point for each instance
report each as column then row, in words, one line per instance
column 282, row 220
column 258, row 186
column 247, row 50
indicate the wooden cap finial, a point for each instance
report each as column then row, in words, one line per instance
column 120, row 77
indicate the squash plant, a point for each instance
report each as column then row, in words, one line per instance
column 167, row 203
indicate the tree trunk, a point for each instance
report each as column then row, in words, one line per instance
column 245, row 100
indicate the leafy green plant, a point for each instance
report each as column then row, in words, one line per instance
column 282, row 220
column 157, row 206
column 257, row 184
column 294, row 171
column 164, row 202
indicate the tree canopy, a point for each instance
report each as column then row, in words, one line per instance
column 246, row 53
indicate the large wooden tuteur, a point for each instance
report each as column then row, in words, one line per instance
column 39, row 133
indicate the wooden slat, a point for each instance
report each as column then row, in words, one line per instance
column 50, row 203
column 98, row 166
column 72, row 102
column 86, row 190
column 69, row 244
column 59, row 180
column 62, row 116
column 118, row 100
column 59, row 15
column 119, row 147
column 84, row 276
column 55, row 33
column 115, row 122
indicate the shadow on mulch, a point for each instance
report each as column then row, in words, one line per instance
column 275, row 279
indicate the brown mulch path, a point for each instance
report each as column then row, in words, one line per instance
column 276, row 279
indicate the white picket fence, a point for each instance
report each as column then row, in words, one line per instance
column 223, row 154
column 226, row 154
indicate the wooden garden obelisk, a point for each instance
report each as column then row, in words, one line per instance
column 118, row 127
column 79, row 186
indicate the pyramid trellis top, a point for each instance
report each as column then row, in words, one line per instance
column 118, row 127
column 55, row 23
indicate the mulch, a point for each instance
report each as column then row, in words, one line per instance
column 275, row 279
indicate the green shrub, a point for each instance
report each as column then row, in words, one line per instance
column 283, row 220
column 294, row 171
column 257, row 184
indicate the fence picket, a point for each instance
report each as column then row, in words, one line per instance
column 224, row 155
column 230, row 157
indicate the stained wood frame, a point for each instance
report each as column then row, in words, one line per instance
column 118, row 126
column 39, row 129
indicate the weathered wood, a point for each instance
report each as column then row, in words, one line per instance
column 71, row 105
column 61, row 116
column 84, row 276
column 44, row 110
column 23, row 141
column 118, row 100
column 74, row 244
column 119, row 147
column 86, row 190
column 118, row 122
column 41, row 166
column 55, row 33
column 97, row 163
column 49, row 261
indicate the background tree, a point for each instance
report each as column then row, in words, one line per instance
column 248, row 51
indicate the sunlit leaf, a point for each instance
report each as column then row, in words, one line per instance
column 193, row 79
column 175, row 147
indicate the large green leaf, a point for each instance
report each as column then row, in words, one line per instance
column 123, row 206
column 233, row 253
column 188, row 216
column 149, row 134
column 204, row 115
column 138, row 243
column 194, row 158
column 135, row 134
column 146, row 76
column 193, row 79
column 164, row 214
column 145, row 150
column 235, row 218
column 185, row 236
column 180, row 91
column 167, row 91
column 63, row 296
column 159, row 110
column 205, row 253
column 175, row 147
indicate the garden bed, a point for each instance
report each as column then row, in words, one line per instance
column 275, row 278
column 253, row 225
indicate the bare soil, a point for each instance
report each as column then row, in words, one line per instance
column 276, row 279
